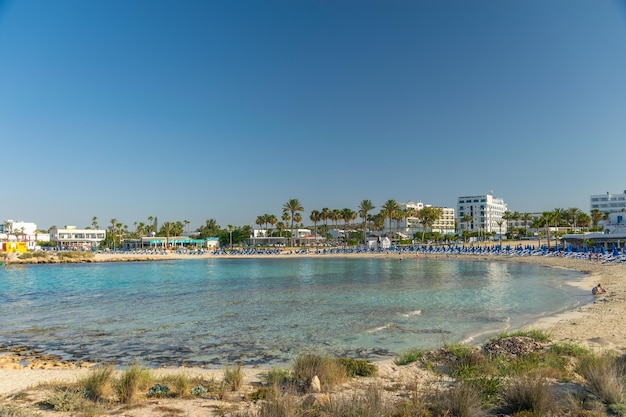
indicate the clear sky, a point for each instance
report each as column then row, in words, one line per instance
column 192, row 110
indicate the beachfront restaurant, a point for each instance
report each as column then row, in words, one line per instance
column 157, row 243
column 613, row 234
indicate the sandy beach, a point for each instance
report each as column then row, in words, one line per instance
column 600, row 325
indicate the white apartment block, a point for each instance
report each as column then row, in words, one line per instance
column 608, row 203
column 411, row 225
column 485, row 210
column 71, row 237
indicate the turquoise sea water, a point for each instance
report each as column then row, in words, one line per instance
column 266, row 311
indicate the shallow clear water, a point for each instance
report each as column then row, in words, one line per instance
column 266, row 311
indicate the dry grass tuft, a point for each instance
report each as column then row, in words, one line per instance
column 132, row 382
column 233, row 377
column 605, row 377
column 98, row 385
column 329, row 371
column 530, row 393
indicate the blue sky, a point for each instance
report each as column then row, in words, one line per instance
column 191, row 110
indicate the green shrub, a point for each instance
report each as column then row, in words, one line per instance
column 158, row 391
column 358, row 367
column 408, row 356
column 570, row 349
column 276, row 376
column 537, row 334
column 65, row 399
column 199, row 391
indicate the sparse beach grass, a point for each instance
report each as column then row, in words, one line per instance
column 514, row 375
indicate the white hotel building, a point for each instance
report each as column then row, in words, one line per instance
column 485, row 210
column 411, row 225
column 608, row 203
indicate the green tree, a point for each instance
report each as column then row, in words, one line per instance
column 390, row 209
column 209, row 229
column 537, row 224
column 364, row 208
column 467, row 219
column 547, row 218
column 315, row 217
column 428, row 216
column 347, row 215
column 571, row 214
column 292, row 206
column 596, row 216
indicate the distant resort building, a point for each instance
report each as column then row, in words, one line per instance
column 613, row 228
column 20, row 236
column 72, row 238
column 485, row 212
column 613, row 234
column 157, row 243
column 608, row 203
column 411, row 225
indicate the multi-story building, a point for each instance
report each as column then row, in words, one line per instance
column 485, row 212
column 70, row 237
column 608, row 203
column 411, row 225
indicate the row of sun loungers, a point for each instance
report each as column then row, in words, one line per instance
column 595, row 254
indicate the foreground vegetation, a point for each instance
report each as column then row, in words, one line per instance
column 521, row 374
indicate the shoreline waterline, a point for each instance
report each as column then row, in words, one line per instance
column 577, row 325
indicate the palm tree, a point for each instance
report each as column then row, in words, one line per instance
column 315, row 217
column 379, row 222
column 365, row 207
column 547, row 218
column 271, row 220
column 260, row 220
column 390, row 208
column 292, row 206
column 500, row 223
column 467, row 220
column 526, row 218
column 326, row 216
column 286, row 217
column 347, row 215
column 94, row 222
column 596, row 216
column 507, row 216
column 297, row 217
column 572, row 214
column 537, row 224
column 584, row 220
column 280, row 226
column 151, row 227
column 230, row 233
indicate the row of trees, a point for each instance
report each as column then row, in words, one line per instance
column 391, row 213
